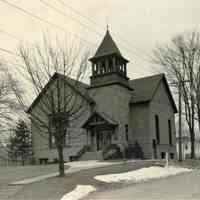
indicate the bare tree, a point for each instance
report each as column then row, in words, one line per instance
column 181, row 61
column 9, row 106
column 49, row 67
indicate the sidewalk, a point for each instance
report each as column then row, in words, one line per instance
column 74, row 167
column 179, row 187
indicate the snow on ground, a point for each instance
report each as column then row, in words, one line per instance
column 75, row 166
column 88, row 164
column 143, row 174
column 79, row 192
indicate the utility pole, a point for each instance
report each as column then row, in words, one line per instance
column 180, row 83
column 180, row 123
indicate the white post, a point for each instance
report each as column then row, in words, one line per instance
column 167, row 159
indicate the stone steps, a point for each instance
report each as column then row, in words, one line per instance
column 97, row 155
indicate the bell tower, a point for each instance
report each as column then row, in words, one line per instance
column 108, row 65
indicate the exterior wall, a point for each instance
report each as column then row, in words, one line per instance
column 108, row 78
column 140, row 115
column 161, row 106
column 40, row 135
column 114, row 101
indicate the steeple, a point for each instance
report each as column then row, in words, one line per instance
column 107, row 47
column 108, row 64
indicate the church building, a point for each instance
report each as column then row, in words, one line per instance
column 122, row 112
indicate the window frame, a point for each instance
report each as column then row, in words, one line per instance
column 157, row 128
column 170, row 132
column 52, row 142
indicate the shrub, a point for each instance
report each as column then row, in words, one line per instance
column 137, row 151
column 129, row 151
column 112, row 152
column 134, row 151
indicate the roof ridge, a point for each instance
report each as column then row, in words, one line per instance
column 64, row 77
column 145, row 77
column 68, row 77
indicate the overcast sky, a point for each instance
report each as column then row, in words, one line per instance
column 136, row 26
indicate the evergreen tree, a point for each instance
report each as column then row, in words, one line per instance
column 21, row 143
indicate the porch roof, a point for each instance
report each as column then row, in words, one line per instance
column 105, row 119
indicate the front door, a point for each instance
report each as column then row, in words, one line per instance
column 103, row 139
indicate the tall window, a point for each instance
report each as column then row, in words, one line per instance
column 170, row 132
column 157, row 129
column 52, row 132
column 126, row 132
column 52, row 143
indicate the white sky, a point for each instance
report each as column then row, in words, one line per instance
column 143, row 23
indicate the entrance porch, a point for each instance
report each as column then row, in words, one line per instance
column 101, row 131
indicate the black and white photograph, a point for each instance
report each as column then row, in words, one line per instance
column 99, row 100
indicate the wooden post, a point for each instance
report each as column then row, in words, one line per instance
column 107, row 65
column 180, row 123
column 114, row 64
column 167, row 159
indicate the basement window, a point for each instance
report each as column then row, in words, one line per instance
column 163, row 154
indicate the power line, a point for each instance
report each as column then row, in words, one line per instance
column 99, row 25
column 40, row 19
column 19, row 39
column 8, row 51
column 74, row 19
column 46, row 21
column 14, row 54
column 66, row 15
column 10, row 35
column 99, row 34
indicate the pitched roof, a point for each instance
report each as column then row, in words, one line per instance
column 107, row 47
column 78, row 86
column 145, row 88
column 104, row 116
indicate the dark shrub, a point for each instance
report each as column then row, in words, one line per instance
column 134, row 151
column 129, row 151
column 137, row 151
column 112, row 152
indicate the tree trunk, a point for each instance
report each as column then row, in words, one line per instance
column 61, row 162
column 192, row 137
column 193, row 149
column 23, row 159
column 198, row 112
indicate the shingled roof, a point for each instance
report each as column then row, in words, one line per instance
column 145, row 88
column 107, row 47
column 78, row 86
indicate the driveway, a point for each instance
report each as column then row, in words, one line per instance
column 180, row 187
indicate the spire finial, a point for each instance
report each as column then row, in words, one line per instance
column 107, row 24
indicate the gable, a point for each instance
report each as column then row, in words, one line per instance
column 163, row 96
column 75, row 85
column 145, row 89
column 99, row 118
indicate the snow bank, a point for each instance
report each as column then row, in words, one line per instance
column 79, row 192
column 88, row 164
column 142, row 174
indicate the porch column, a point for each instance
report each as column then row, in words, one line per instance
column 87, row 139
